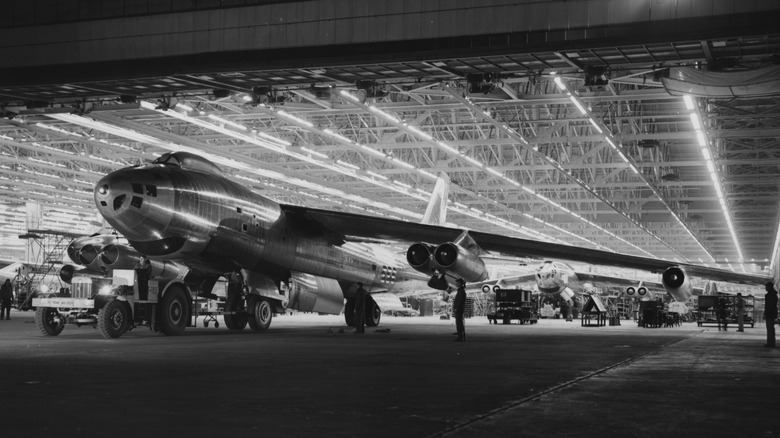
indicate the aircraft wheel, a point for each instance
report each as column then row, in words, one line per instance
column 260, row 313
column 113, row 319
column 48, row 321
column 373, row 313
column 349, row 312
column 235, row 303
column 173, row 312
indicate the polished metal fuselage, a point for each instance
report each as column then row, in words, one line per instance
column 215, row 225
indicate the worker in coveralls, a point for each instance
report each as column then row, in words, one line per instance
column 458, row 308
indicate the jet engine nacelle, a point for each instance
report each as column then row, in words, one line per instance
column 447, row 257
column 677, row 284
column 458, row 261
column 639, row 291
column 311, row 293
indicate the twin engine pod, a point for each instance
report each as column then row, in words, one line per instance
column 449, row 258
column 638, row 291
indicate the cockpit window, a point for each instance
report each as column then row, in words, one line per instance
column 138, row 188
column 167, row 159
column 151, row 190
column 118, row 201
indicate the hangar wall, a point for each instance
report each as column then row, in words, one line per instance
column 104, row 30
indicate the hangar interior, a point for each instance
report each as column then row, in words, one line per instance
column 646, row 127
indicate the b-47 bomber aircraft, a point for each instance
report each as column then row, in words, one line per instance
column 181, row 208
column 559, row 278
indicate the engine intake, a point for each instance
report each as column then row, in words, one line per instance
column 676, row 283
column 419, row 257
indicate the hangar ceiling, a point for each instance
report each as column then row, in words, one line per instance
column 625, row 173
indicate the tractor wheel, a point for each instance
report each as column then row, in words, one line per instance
column 113, row 319
column 48, row 321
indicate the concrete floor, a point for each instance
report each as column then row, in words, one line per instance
column 307, row 378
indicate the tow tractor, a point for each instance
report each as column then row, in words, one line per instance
column 167, row 308
column 114, row 310
column 513, row 304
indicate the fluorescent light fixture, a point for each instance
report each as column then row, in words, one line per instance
column 315, row 153
column 689, row 103
column 559, row 83
column 578, row 105
column 596, row 125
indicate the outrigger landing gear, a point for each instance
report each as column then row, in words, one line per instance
column 260, row 313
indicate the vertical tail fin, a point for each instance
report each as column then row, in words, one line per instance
column 436, row 213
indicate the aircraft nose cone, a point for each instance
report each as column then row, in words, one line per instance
column 121, row 200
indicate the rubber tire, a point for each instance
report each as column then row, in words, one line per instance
column 113, row 319
column 349, row 312
column 173, row 314
column 260, row 313
column 44, row 320
column 373, row 313
column 235, row 303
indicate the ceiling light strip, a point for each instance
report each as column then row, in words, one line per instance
column 706, row 151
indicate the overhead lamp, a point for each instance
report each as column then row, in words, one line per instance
column 648, row 144
column 370, row 88
column 596, row 76
column 220, row 93
column 482, row 82
column 322, row 93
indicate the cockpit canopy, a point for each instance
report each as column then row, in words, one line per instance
column 188, row 161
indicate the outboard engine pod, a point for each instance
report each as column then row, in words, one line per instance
column 630, row 291
column 676, row 283
column 673, row 277
column 66, row 273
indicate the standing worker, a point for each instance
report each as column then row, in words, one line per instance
column 770, row 314
column 6, row 298
column 360, row 309
column 740, row 304
column 458, row 308
column 720, row 312
column 143, row 271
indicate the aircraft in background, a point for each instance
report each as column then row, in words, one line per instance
column 182, row 208
column 16, row 272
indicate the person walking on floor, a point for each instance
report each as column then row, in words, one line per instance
column 770, row 314
column 360, row 309
column 459, row 308
column 6, row 298
column 740, row 306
